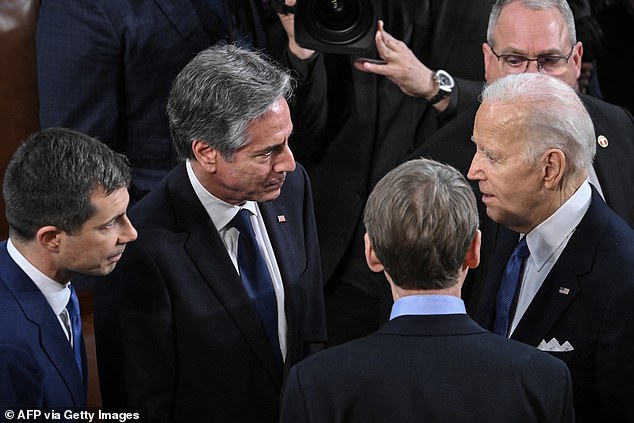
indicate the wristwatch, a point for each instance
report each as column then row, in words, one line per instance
column 445, row 85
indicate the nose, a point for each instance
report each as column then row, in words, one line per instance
column 128, row 232
column 533, row 66
column 475, row 172
column 285, row 161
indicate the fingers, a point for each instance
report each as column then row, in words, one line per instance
column 386, row 44
column 366, row 66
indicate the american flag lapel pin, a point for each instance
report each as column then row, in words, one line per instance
column 281, row 218
column 564, row 290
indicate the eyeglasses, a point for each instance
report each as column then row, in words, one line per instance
column 516, row 63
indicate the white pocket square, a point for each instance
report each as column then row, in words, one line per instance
column 554, row 346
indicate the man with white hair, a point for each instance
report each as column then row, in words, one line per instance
column 567, row 287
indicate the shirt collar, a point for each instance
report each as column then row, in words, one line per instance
column 56, row 294
column 220, row 212
column 421, row 304
column 545, row 238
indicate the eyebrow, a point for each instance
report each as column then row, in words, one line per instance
column 518, row 52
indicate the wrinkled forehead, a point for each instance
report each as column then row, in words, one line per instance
column 523, row 29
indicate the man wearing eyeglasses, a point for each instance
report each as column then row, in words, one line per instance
column 537, row 36
column 522, row 36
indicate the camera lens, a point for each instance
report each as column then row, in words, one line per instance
column 340, row 21
column 336, row 15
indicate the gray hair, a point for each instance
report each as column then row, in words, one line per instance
column 421, row 218
column 219, row 93
column 556, row 118
column 562, row 5
column 51, row 177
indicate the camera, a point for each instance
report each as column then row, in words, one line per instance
column 335, row 26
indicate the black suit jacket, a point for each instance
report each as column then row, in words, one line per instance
column 177, row 337
column 442, row 368
column 595, row 314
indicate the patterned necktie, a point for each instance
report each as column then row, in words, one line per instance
column 508, row 287
column 257, row 280
column 75, row 325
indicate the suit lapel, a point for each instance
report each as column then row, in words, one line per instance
column 279, row 226
column 562, row 285
column 36, row 309
column 502, row 241
column 209, row 255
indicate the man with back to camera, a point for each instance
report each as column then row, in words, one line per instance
column 66, row 198
column 201, row 333
column 568, row 286
column 352, row 127
column 430, row 362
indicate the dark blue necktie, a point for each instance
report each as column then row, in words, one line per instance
column 257, row 280
column 75, row 323
column 508, row 287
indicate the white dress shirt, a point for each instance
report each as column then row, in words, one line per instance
column 221, row 213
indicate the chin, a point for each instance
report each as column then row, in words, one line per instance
column 269, row 196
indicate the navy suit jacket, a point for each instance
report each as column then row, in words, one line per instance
column 594, row 311
column 177, row 337
column 37, row 365
column 105, row 68
column 440, row 368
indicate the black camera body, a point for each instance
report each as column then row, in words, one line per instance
column 336, row 26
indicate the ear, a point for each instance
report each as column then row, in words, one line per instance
column 576, row 57
column 554, row 167
column 49, row 237
column 487, row 54
column 472, row 258
column 370, row 257
column 206, row 155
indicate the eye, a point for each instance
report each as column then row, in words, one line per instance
column 514, row 60
column 108, row 225
column 549, row 60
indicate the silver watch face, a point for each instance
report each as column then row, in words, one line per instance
column 444, row 80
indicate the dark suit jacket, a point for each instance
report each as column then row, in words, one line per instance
column 596, row 316
column 105, row 67
column 37, row 365
column 429, row 369
column 177, row 337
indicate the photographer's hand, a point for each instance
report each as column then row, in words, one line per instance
column 402, row 67
column 288, row 22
